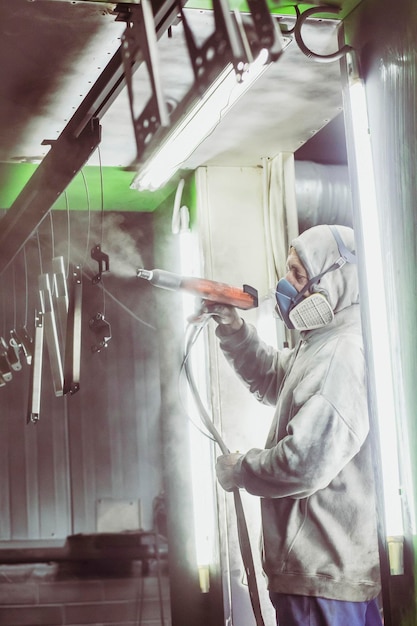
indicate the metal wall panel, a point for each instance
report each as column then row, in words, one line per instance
column 103, row 442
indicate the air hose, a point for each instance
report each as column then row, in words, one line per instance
column 243, row 534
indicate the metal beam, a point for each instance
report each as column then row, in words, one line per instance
column 67, row 155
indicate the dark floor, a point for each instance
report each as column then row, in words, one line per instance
column 47, row 595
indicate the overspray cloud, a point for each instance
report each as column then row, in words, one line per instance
column 121, row 247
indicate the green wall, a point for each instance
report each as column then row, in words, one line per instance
column 94, row 188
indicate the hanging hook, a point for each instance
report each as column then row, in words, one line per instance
column 323, row 58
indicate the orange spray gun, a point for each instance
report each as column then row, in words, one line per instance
column 246, row 298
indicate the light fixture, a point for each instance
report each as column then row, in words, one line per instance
column 197, row 124
column 379, row 328
column 201, row 450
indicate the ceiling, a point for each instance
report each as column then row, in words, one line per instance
column 52, row 52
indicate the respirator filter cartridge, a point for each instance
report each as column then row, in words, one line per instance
column 312, row 312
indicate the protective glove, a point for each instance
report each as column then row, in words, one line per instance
column 226, row 470
column 225, row 315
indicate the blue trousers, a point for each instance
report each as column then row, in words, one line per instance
column 292, row 610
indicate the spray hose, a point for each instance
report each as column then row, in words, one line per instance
column 243, row 534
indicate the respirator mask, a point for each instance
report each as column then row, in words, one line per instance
column 300, row 312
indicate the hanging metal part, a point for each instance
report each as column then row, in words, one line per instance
column 60, row 294
column 236, row 41
column 268, row 32
column 103, row 262
column 102, row 329
column 140, row 34
column 22, row 338
column 224, row 46
column 72, row 365
column 5, row 367
column 13, row 355
column 322, row 58
column 36, row 372
column 228, row 44
column 51, row 333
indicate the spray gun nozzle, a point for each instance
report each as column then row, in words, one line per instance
column 141, row 273
column 246, row 298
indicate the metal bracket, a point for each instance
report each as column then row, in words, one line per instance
column 101, row 328
column 13, row 355
column 224, row 46
column 140, row 34
column 227, row 44
column 103, row 262
column 267, row 30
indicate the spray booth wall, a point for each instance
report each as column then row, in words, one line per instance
column 99, row 448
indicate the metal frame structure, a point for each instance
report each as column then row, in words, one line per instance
column 74, row 146
column 146, row 22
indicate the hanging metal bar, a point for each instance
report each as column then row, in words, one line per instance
column 51, row 333
column 73, row 333
column 34, row 403
column 60, row 295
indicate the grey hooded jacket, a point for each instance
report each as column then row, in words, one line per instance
column 315, row 475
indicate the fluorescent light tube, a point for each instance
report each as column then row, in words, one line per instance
column 197, row 124
column 377, row 309
column 201, row 447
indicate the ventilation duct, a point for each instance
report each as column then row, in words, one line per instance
column 323, row 194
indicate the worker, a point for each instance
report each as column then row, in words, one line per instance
column 314, row 477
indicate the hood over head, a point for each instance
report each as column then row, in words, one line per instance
column 318, row 250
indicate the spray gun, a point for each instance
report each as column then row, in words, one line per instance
column 246, row 298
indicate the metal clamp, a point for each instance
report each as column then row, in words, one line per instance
column 103, row 262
